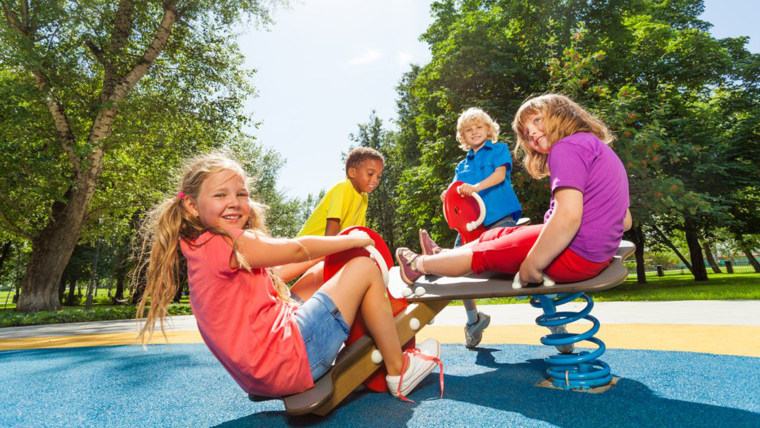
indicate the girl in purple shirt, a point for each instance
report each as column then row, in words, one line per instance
column 588, row 210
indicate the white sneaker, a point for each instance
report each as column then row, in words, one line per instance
column 422, row 361
column 473, row 333
column 563, row 349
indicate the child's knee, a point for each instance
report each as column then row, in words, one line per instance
column 366, row 266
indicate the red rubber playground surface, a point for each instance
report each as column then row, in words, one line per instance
column 679, row 364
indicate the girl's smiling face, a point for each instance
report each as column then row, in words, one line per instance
column 534, row 133
column 223, row 201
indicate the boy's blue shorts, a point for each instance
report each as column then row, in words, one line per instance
column 323, row 330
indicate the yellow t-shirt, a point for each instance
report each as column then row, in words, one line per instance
column 343, row 202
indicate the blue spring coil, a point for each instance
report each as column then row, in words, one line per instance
column 581, row 370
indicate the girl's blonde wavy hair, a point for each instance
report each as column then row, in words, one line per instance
column 476, row 115
column 562, row 117
column 160, row 234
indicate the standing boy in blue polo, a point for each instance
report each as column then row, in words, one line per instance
column 486, row 170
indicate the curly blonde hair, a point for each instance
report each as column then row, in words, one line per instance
column 562, row 117
column 475, row 115
column 158, row 253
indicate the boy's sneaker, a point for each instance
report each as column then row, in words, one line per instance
column 405, row 258
column 421, row 361
column 473, row 333
column 428, row 246
column 563, row 349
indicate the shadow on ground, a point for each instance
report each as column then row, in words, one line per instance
column 184, row 386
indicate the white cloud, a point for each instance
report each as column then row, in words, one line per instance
column 404, row 58
column 368, row 57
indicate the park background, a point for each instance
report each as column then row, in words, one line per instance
column 100, row 104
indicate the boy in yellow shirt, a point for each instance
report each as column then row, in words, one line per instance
column 344, row 205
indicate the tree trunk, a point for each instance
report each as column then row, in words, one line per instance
column 121, row 276
column 750, row 258
column 664, row 239
column 72, row 290
column 61, row 289
column 639, row 240
column 52, row 248
column 699, row 270
column 711, row 259
column 5, row 253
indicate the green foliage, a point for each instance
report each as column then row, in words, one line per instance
column 381, row 216
column 10, row 318
column 683, row 105
column 99, row 103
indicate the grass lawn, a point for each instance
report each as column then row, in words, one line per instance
column 674, row 286
column 737, row 286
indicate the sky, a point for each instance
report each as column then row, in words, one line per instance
column 324, row 66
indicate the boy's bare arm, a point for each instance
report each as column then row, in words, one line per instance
column 498, row 175
column 333, row 227
column 294, row 270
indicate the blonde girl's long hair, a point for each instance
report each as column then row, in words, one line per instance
column 476, row 115
column 158, row 253
column 562, row 117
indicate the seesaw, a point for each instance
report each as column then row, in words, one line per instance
column 359, row 360
column 574, row 371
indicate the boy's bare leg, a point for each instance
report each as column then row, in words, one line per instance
column 309, row 282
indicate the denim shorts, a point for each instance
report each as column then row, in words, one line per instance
column 323, row 330
column 507, row 221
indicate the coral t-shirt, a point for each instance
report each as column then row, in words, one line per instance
column 247, row 328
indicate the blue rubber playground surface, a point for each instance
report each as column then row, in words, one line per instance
column 495, row 385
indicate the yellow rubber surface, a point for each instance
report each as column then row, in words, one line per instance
column 711, row 339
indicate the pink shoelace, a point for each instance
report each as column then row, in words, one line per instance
column 416, row 352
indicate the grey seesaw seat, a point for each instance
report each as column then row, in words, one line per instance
column 354, row 363
column 495, row 284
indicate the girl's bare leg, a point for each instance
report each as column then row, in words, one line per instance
column 359, row 286
column 454, row 262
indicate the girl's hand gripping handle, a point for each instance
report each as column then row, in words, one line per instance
column 517, row 283
column 374, row 254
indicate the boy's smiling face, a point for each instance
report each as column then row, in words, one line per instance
column 366, row 176
column 475, row 134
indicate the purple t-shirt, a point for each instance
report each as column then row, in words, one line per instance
column 584, row 162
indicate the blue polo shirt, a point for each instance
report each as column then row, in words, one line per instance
column 500, row 200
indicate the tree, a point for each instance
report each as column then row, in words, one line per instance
column 649, row 69
column 109, row 94
column 381, row 216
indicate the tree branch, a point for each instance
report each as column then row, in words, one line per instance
column 12, row 19
column 62, row 127
column 25, row 13
column 158, row 44
column 95, row 49
column 122, row 26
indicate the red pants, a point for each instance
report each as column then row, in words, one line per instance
column 504, row 249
